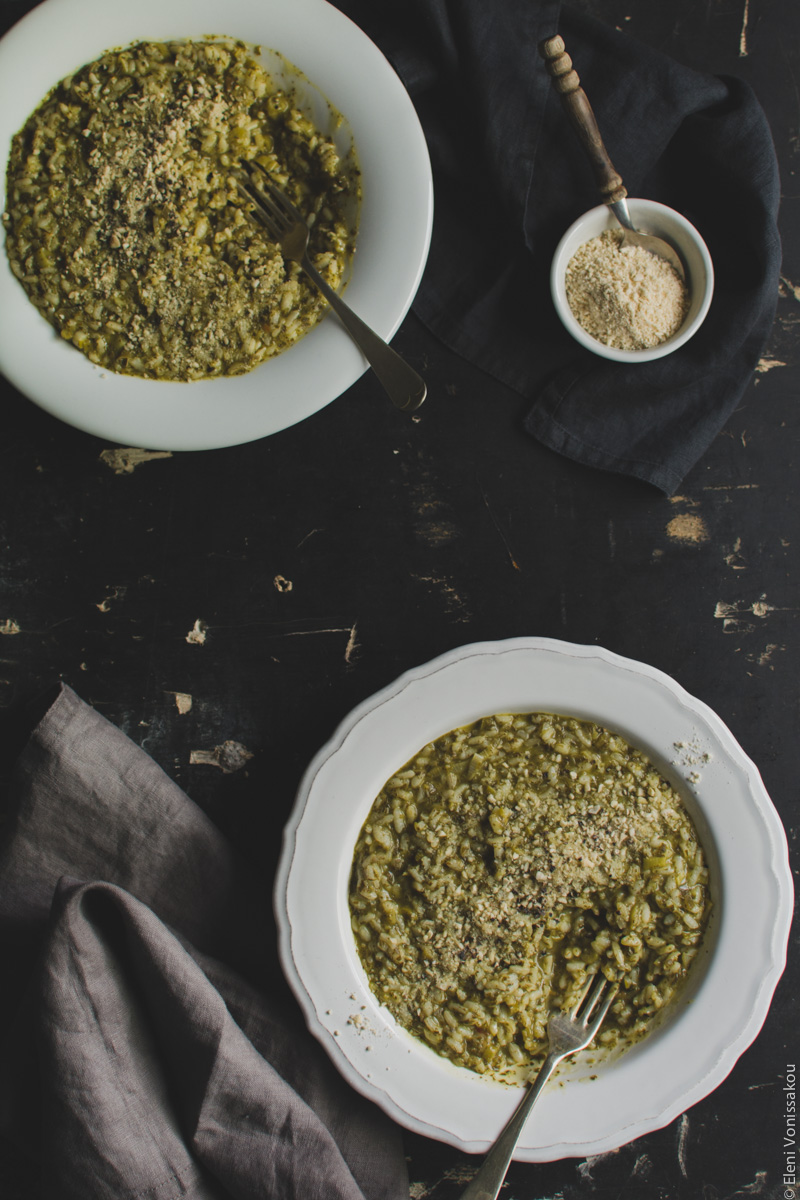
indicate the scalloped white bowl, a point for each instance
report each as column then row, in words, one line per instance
column 599, row 1105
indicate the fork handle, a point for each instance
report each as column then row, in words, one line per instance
column 405, row 387
column 487, row 1183
column 568, row 85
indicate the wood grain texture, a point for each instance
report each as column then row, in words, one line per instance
column 145, row 578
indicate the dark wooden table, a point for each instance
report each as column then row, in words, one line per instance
column 321, row 562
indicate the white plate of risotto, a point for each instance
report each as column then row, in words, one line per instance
column 481, row 837
column 141, row 303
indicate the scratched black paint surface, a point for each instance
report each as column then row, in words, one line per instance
column 280, row 583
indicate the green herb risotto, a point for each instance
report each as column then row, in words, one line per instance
column 507, row 863
column 125, row 226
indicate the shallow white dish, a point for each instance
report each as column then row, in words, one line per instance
column 731, row 986
column 392, row 246
column 650, row 217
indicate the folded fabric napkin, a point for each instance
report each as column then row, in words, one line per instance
column 153, row 1052
column 510, row 177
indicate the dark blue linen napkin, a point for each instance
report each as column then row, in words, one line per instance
column 510, row 177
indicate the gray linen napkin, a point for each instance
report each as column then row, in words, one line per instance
column 142, row 1063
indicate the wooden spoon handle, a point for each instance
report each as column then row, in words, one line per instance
column 579, row 110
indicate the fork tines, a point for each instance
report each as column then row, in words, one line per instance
column 599, row 991
column 274, row 209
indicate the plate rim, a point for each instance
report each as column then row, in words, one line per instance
column 395, row 233
column 725, row 1055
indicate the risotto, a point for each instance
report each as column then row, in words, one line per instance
column 508, row 862
column 125, row 226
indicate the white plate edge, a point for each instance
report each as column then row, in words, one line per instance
column 126, row 426
column 779, row 866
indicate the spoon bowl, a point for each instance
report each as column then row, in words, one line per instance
column 632, row 236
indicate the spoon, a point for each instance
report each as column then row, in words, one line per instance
column 568, row 85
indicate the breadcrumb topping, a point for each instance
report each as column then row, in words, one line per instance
column 623, row 295
column 507, row 863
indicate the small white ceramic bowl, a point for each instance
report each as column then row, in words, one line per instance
column 649, row 217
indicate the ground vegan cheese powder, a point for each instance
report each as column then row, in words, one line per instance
column 624, row 296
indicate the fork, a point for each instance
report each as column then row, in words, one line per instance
column 566, row 1034
column 285, row 225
